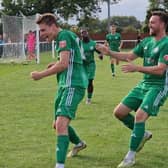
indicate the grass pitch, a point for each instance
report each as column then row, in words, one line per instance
column 27, row 139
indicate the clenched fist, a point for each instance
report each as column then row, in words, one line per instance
column 36, row 75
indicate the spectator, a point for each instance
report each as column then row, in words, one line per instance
column 31, row 39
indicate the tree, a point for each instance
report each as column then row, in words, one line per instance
column 108, row 6
column 64, row 8
column 92, row 24
column 154, row 5
column 123, row 22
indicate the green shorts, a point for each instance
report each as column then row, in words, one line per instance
column 90, row 69
column 67, row 101
column 148, row 99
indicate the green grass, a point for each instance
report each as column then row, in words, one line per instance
column 27, row 139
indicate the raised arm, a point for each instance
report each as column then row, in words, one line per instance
column 123, row 56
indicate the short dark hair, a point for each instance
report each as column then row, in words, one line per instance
column 163, row 15
column 83, row 29
column 48, row 19
column 114, row 23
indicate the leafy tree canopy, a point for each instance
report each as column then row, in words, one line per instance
column 155, row 5
column 65, row 8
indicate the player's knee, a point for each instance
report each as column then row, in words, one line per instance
column 141, row 116
column 54, row 124
column 61, row 128
column 118, row 113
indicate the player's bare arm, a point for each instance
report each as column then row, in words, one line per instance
column 59, row 66
column 155, row 70
column 122, row 56
column 106, row 43
column 121, row 44
column 50, row 64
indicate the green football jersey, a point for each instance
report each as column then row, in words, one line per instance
column 89, row 49
column 75, row 74
column 114, row 41
column 153, row 52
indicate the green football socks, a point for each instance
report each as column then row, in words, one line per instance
column 137, row 135
column 61, row 148
column 112, row 68
column 89, row 95
column 128, row 121
column 73, row 137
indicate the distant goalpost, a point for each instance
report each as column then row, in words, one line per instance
column 15, row 30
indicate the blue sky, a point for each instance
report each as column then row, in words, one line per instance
column 135, row 8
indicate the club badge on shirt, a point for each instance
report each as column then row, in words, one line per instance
column 62, row 44
column 166, row 57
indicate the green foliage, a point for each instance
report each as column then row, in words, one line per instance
column 123, row 22
column 158, row 4
column 94, row 25
column 27, row 139
column 129, row 29
column 65, row 8
column 86, row 12
column 29, row 7
column 11, row 7
column 154, row 5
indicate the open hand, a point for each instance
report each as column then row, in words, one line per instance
column 103, row 49
column 130, row 67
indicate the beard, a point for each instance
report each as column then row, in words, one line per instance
column 85, row 39
column 152, row 33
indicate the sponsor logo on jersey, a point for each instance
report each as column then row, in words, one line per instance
column 59, row 110
column 146, row 107
column 150, row 61
column 62, row 44
column 156, row 50
column 133, row 135
column 91, row 47
column 145, row 48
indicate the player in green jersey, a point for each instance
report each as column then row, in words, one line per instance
column 72, row 82
column 147, row 97
column 89, row 61
column 113, row 40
